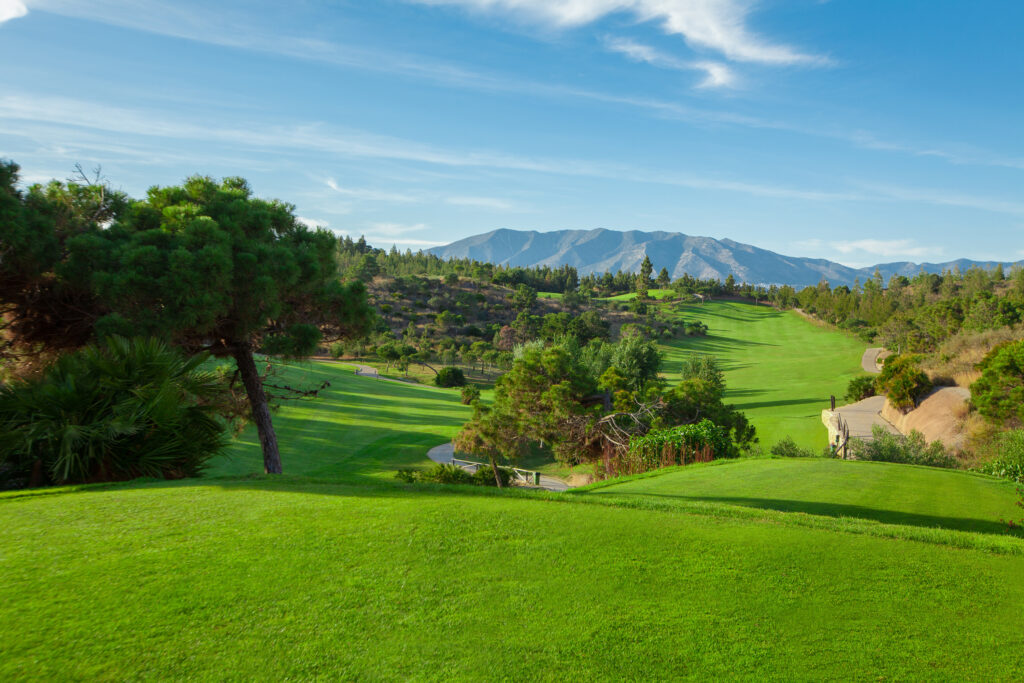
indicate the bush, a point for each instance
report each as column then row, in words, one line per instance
column 999, row 393
column 484, row 476
column 125, row 409
column 912, row 450
column 470, row 393
column 449, row 473
column 787, row 448
column 903, row 382
column 1010, row 462
column 860, row 388
column 450, row 377
column 680, row 445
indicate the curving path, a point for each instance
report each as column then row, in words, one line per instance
column 445, row 453
column 872, row 359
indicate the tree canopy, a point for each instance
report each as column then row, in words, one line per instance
column 204, row 264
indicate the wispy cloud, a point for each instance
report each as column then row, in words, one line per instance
column 370, row 194
column 891, row 249
column 313, row 223
column 12, row 9
column 482, row 202
column 393, row 229
column 317, row 139
column 716, row 74
column 719, row 25
column 864, row 252
column 218, row 27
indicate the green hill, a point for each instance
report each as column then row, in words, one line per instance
column 291, row 578
column 780, row 369
column 755, row 569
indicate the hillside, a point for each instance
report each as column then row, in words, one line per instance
column 601, row 250
column 780, row 369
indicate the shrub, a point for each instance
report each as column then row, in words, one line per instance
column 860, row 388
column 912, row 450
column 449, row 473
column 787, row 448
column 680, row 445
column 1010, row 462
column 999, row 393
column 450, row 377
column 903, row 382
column 124, row 409
column 470, row 393
column 484, row 476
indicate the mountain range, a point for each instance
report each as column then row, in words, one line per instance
column 601, row 250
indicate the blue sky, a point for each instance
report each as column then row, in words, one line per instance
column 862, row 131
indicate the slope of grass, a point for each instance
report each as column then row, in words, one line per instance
column 356, row 427
column 780, row 369
column 291, row 579
column 885, row 492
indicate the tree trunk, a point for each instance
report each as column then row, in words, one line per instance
column 494, row 467
column 259, row 407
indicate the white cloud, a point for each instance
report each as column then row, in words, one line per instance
column 396, row 228
column 376, row 239
column 716, row 74
column 12, row 9
column 482, row 202
column 312, row 223
column 718, row 25
column 369, row 194
column 893, row 250
column 68, row 114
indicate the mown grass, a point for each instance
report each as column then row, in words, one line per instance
column 274, row 579
column 884, row 492
column 780, row 369
column 357, row 427
column 653, row 293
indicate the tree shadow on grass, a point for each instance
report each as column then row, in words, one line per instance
column 843, row 510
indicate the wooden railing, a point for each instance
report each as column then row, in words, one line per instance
column 528, row 477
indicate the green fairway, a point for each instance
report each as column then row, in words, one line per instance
column 357, row 427
column 284, row 579
column 653, row 293
column 894, row 494
column 780, row 369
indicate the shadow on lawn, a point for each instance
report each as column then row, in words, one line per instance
column 842, row 510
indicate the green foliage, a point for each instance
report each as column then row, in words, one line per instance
column 484, row 476
column 704, row 367
column 1010, row 462
column 470, row 393
column 903, row 382
column 450, row 377
column 860, row 388
column 121, row 410
column 449, row 473
column 637, row 360
column 885, row 446
column 999, row 393
column 680, row 445
column 787, row 448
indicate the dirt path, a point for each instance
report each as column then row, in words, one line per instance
column 365, row 370
column 445, row 453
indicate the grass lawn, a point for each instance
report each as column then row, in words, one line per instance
column 885, row 492
column 653, row 293
column 260, row 579
column 357, row 427
column 779, row 368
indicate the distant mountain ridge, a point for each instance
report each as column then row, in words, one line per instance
column 600, row 250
